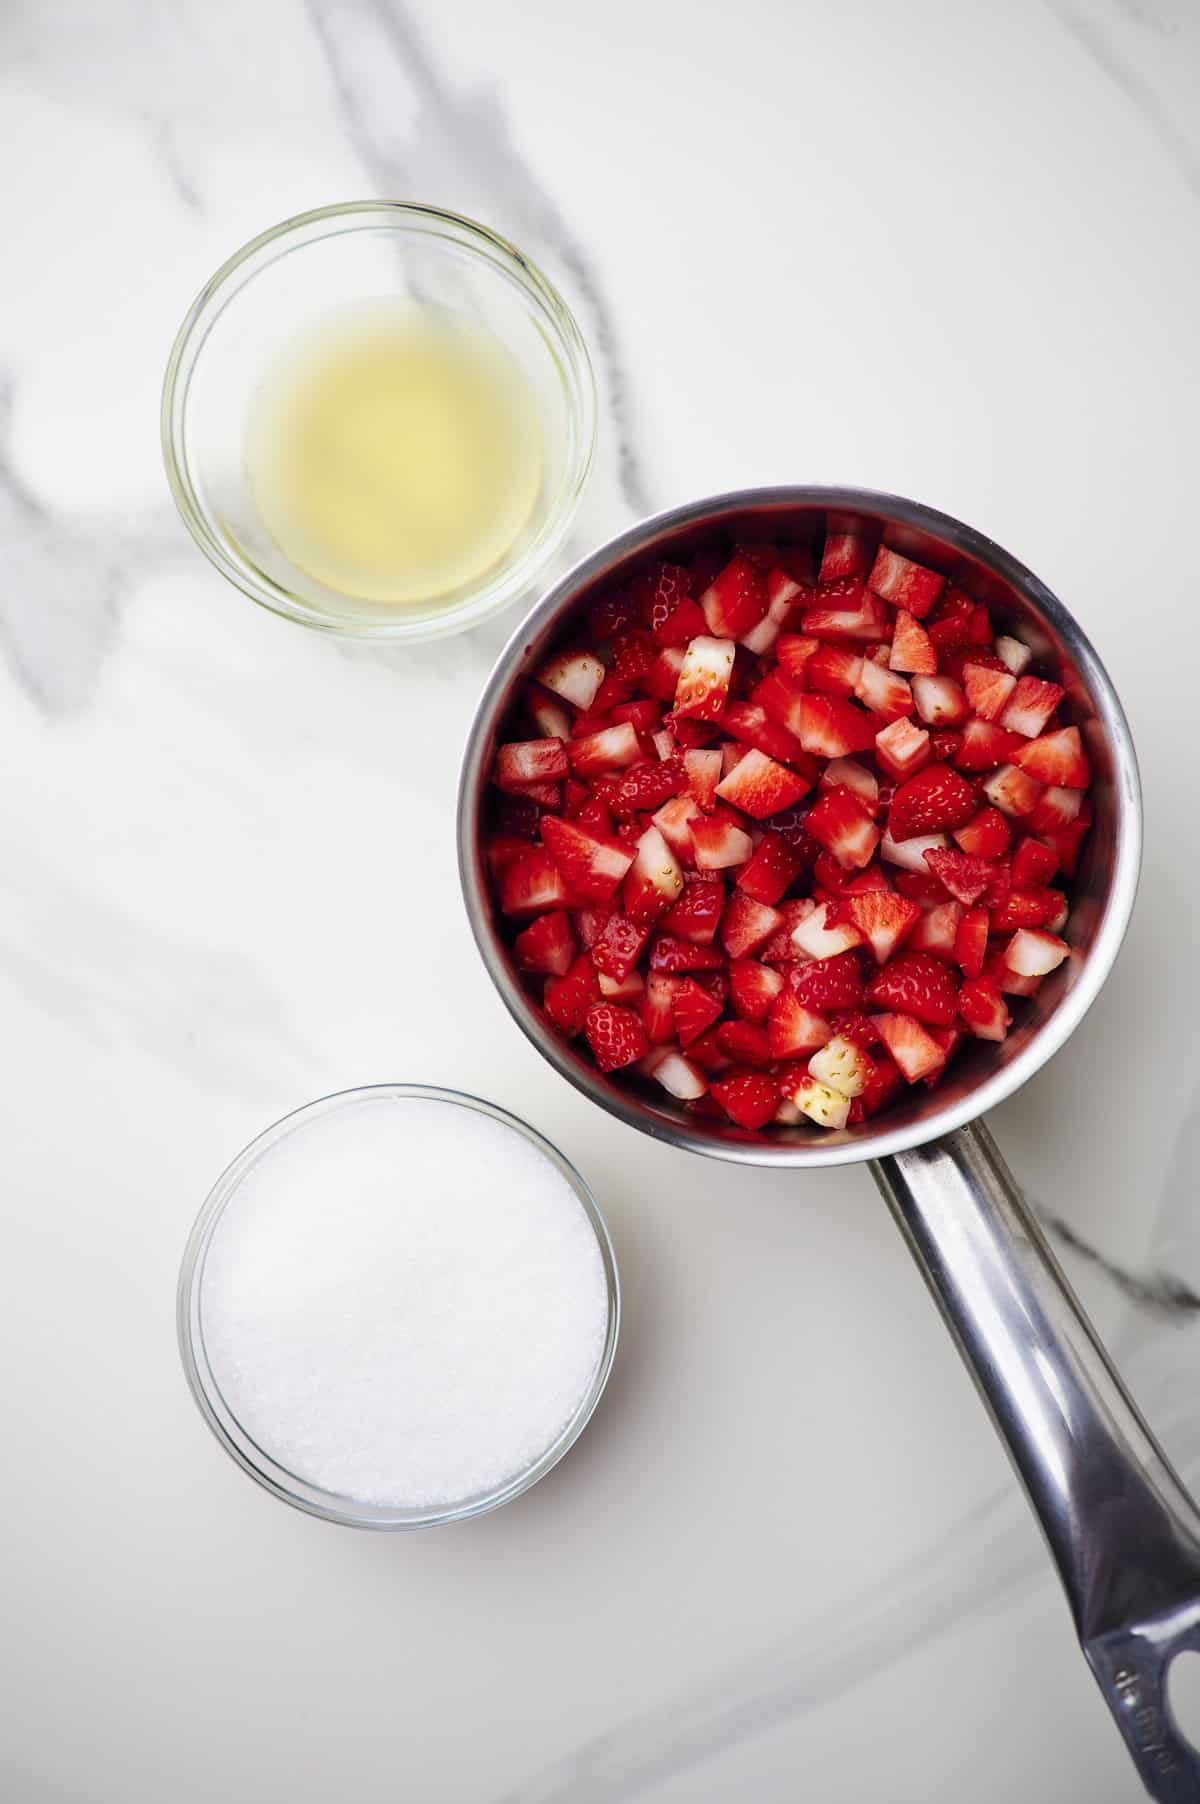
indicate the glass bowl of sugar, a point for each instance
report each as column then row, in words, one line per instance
column 398, row 1307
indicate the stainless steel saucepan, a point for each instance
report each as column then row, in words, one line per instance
column 1122, row 1529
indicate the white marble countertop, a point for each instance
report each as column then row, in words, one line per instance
column 951, row 251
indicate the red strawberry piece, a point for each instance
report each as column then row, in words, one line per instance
column 883, row 919
column 789, row 824
column 782, row 592
column 576, row 797
column 648, row 787
column 825, row 983
column 937, row 931
column 706, row 1054
column 716, row 983
column 848, row 773
column 546, row 795
column 533, row 883
column 853, row 1025
column 793, row 1030
column 750, row 724
column 782, row 699
column 970, row 944
column 828, row 875
column 746, row 925
column 694, row 1010
column 842, row 825
column 1055, row 809
column 921, row 887
column 657, row 1008
column 662, row 679
column 1028, row 908
column 833, row 670
column 884, row 691
column 736, row 599
column 619, row 946
column 567, row 999
column 551, row 718
column 703, row 769
column 1056, row 758
column 643, row 715
column 966, row 878
column 575, row 676
column 615, row 1035
column 502, row 850
column 912, row 1047
column 594, row 721
column 949, row 623
column 988, row 690
column 939, row 701
column 985, row 835
column 674, row 821
column 1067, row 843
column 983, row 1009
column 980, row 629
column 591, row 865
column 591, row 922
column 703, row 684
column 634, row 653
column 546, row 945
column 670, row 954
column 1030, row 706
column 1033, row 865
column 844, row 554
column 613, row 748
column 912, row 648
column 658, row 590
column 984, row 746
column 698, row 910
column 629, row 988
column 794, row 652
column 772, row 867
column 830, row 728
column 612, row 692
column 936, row 798
column 753, row 988
column 1011, row 790
column 749, row 1098
column 761, row 786
column 719, row 842
column 949, row 1039
column 744, row 1043
column 517, row 815
column 905, row 584
column 780, row 949
column 917, row 984
column 686, row 623
column 902, row 749
column 611, row 614
column 845, row 610
column 530, row 761
column 944, row 747
column 884, row 1082
column 1010, row 983
column 655, row 880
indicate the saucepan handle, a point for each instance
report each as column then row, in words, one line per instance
column 1123, row 1531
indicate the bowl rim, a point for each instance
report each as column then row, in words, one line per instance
column 1006, row 1078
column 492, row 250
column 254, row 1459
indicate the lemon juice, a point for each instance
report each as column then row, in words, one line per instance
column 394, row 452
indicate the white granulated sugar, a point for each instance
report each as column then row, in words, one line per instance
column 404, row 1302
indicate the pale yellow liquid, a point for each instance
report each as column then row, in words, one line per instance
column 394, row 453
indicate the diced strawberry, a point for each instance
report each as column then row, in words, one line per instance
column 654, row 880
column 1030, row 706
column 589, row 923
column 845, row 610
column 985, row 835
column 615, row 1035
column 694, row 1010
column 1011, row 790
column 749, row 1098
column 1056, row 759
column 988, row 691
column 704, row 678
column 905, row 584
column 753, row 988
column 503, row 849
column 662, row 679
column 657, row 1011
column 985, row 745
column 939, row 701
column 703, row 769
column 660, row 591
column 914, row 1050
column 884, row 1084
column 970, row 943
column 575, row 675
column 852, row 1024
column 944, row 746
column 546, row 795
column 679, row 1077
column 736, row 599
column 884, row 691
column 670, row 954
column 746, row 925
column 824, row 933
column 935, row 799
column 794, row 652
column 548, row 715
column 674, row 821
column 937, row 931
column 844, row 554
column 567, row 999
column 883, row 919
column 841, row 1065
column 629, row 988
column 644, row 715
column 949, row 1039
column 825, row 983
column 533, row 883
column 916, row 983
column 834, row 671
column 949, row 624
column 696, row 914
column 847, row 773
column 1033, row 865
column 744, row 1043
column 782, row 591
column 842, row 825
column 546, row 945
column 1009, row 983
column 517, row 815
column 530, row 761
column 773, row 865
column 719, row 842
column 1032, row 953
column 591, row 865
column 983, row 1009
column 648, row 787
column 706, row 1055
column 1028, row 908
column 751, row 725
column 965, row 877
column 634, row 654
column 1055, row 809
column 793, row 1030
column 902, row 749
column 615, row 610
column 1067, row 843
column 760, row 786
column 613, row 748
column 912, row 648
column 830, row 728
column 782, row 699
column 619, row 946
column 920, row 886
column 576, row 798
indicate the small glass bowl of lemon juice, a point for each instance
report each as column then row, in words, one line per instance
column 378, row 419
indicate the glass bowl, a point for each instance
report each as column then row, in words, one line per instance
column 280, row 286
column 201, row 1375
